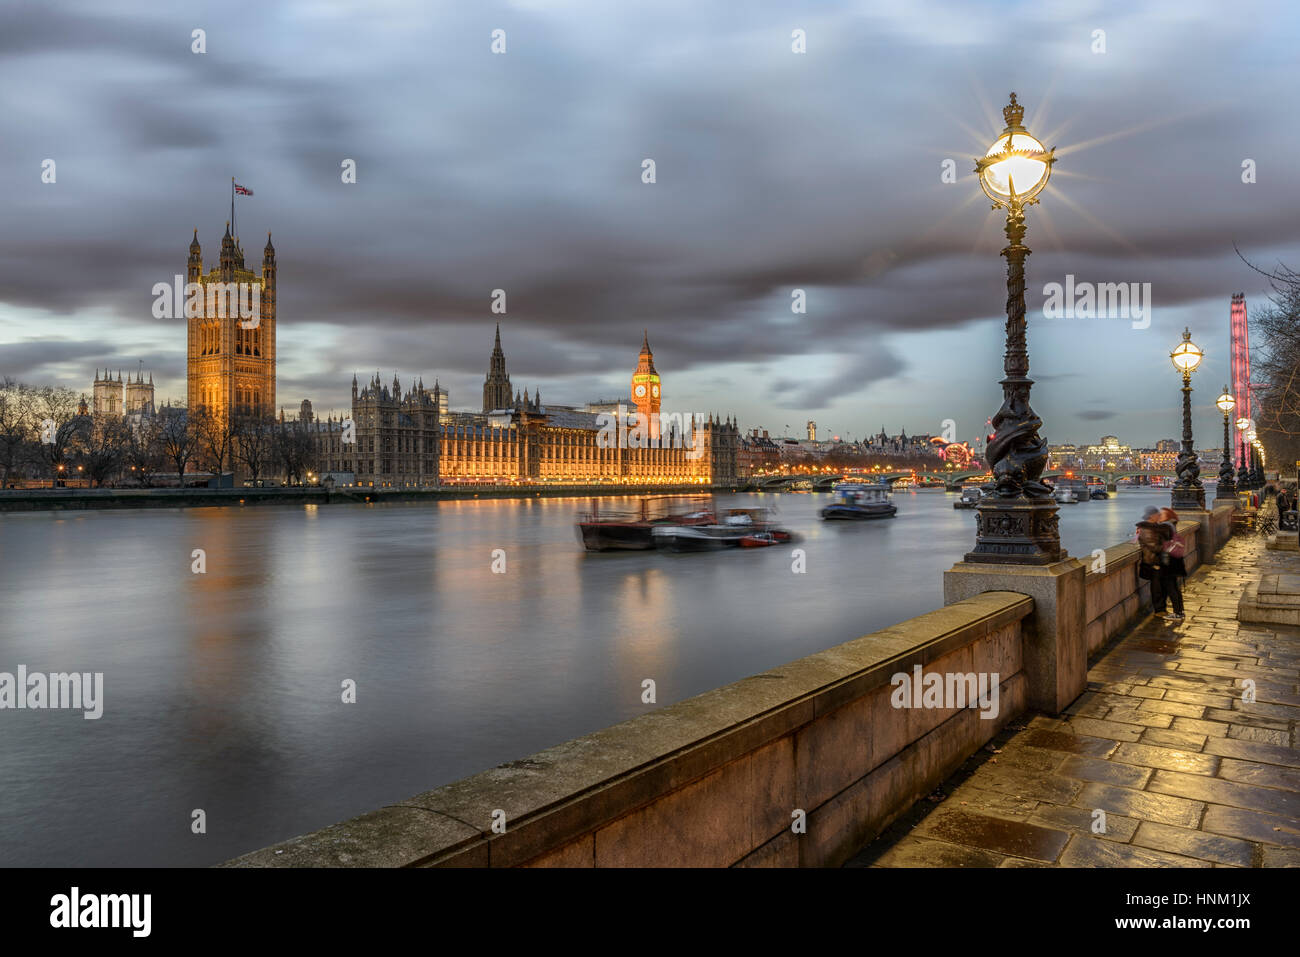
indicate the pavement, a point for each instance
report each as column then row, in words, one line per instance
column 1160, row 763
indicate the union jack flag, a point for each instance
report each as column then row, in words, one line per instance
column 243, row 190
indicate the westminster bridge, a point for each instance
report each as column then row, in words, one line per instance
column 952, row 481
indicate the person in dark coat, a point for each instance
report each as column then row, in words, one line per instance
column 1173, row 568
column 1151, row 538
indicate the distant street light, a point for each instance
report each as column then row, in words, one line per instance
column 1016, row 520
column 1243, row 473
column 1227, row 487
column 1188, row 490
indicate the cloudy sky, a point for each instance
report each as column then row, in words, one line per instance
column 775, row 170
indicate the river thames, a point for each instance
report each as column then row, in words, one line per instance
column 222, row 690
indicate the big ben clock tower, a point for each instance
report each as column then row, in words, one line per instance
column 645, row 388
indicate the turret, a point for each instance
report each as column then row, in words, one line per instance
column 194, row 267
column 227, row 260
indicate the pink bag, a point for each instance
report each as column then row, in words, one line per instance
column 1176, row 547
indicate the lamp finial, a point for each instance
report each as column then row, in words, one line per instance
column 1014, row 114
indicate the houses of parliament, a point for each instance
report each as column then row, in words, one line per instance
column 411, row 438
column 397, row 438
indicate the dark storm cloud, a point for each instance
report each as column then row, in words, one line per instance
column 1095, row 415
column 26, row 361
column 522, row 172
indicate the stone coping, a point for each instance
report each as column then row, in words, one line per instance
column 566, row 791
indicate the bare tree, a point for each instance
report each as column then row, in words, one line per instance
column 143, row 455
column 178, row 441
column 59, row 428
column 17, row 427
column 103, row 449
column 1275, row 362
column 255, row 440
column 216, row 439
column 294, row 450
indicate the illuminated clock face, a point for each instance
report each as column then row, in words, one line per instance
column 654, row 391
column 640, row 392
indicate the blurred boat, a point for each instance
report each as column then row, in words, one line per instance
column 856, row 501
column 735, row 524
column 632, row 529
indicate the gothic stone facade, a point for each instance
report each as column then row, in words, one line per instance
column 231, row 369
column 406, row 440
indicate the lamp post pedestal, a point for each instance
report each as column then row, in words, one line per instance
column 1021, row 532
column 1227, row 489
column 1188, row 491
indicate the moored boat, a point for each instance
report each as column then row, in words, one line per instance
column 621, row 529
column 970, row 497
column 735, row 524
column 1065, row 495
column 856, row 501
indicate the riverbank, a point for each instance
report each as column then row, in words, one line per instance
column 37, row 500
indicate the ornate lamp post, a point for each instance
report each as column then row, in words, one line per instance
column 1227, row 486
column 1188, row 491
column 1258, row 446
column 1243, row 473
column 1016, row 521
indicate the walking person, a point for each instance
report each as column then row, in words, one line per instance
column 1151, row 538
column 1173, row 569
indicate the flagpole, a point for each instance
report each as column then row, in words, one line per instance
column 233, row 228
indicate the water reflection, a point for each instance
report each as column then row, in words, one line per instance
column 223, row 690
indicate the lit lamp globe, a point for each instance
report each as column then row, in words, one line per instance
column 1227, row 487
column 1187, row 356
column 1017, row 166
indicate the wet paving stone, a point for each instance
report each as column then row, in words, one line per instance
column 1195, row 844
column 1091, row 852
column 1105, row 772
column 1148, row 719
column 1192, row 697
column 1261, row 775
column 1255, row 751
column 1197, row 787
column 1145, row 805
column 1013, row 838
column 1169, row 759
column 1175, row 708
column 1274, row 857
column 1251, row 825
column 1262, row 735
column 1183, row 740
column 1072, row 743
column 1083, row 820
column 918, row 852
column 1106, row 729
column 993, row 803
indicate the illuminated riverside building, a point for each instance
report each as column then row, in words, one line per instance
column 411, row 440
column 230, row 369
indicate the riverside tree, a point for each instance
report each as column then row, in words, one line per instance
column 1276, row 363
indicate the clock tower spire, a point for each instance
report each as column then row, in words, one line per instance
column 645, row 388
